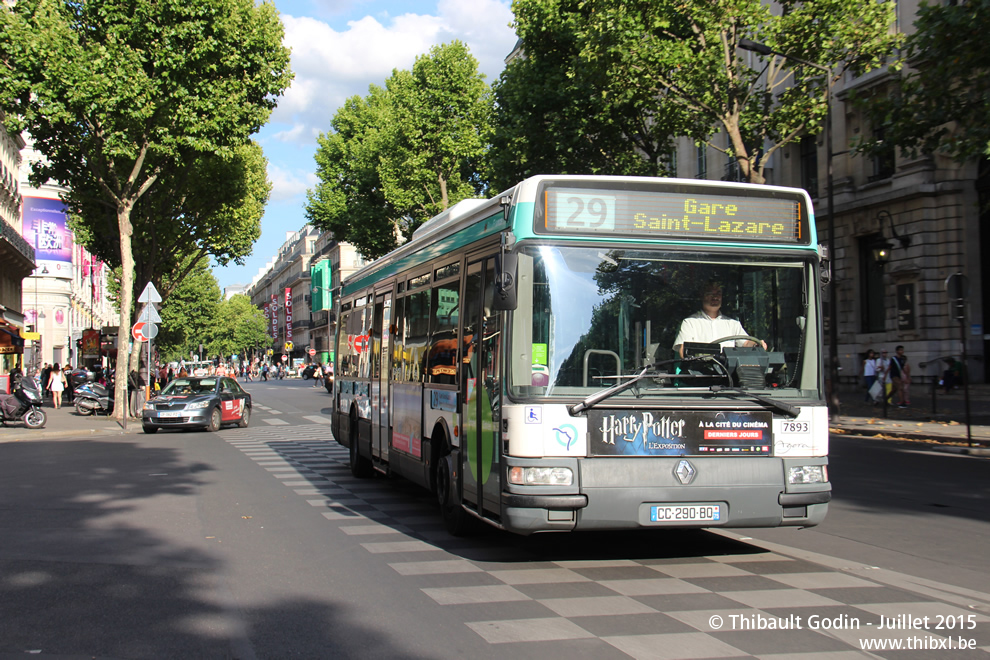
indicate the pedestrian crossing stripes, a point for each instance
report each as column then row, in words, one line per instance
column 646, row 596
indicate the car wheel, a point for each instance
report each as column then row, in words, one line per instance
column 149, row 429
column 245, row 418
column 214, row 421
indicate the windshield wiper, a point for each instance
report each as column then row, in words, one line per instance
column 779, row 406
column 649, row 371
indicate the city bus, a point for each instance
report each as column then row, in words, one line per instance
column 520, row 357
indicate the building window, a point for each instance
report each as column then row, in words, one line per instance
column 670, row 161
column 809, row 164
column 871, row 294
column 732, row 172
column 883, row 159
column 702, row 156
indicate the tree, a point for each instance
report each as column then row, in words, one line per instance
column 943, row 103
column 404, row 153
column 555, row 112
column 349, row 199
column 239, row 326
column 682, row 57
column 191, row 315
column 186, row 214
column 117, row 92
column 439, row 133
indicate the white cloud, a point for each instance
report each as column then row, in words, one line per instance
column 332, row 65
column 287, row 184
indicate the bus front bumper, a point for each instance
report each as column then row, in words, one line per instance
column 618, row 493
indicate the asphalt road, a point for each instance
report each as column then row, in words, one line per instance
column 257, row 543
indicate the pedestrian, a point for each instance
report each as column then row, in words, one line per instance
column 46, row 373
column 900, row 376
column 67, row 374
column 869, row 373
column 952, row 375
column 883, row 373
column 318, row 375
column 56, row 385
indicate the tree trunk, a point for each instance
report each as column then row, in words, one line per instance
column 126, row 296
column 443, row 193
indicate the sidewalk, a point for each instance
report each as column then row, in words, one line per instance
column 66, row 423
column 942, row 421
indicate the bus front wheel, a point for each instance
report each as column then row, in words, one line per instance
column 457, row 521
column 360, row 465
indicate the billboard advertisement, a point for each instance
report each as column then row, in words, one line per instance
column 46, row 228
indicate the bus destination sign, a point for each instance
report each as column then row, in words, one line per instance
column 675, row 215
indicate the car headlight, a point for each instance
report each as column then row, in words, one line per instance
column 541, row 476
column 148, row 405
column 807, row 474
column 199, row 405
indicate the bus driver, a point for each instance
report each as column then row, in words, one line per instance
column 709, row 324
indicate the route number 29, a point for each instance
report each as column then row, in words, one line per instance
column 580, row 212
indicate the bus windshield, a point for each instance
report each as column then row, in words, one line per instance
column 589, row 318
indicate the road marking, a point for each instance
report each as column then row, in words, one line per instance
column 319, row 419
column 275, row 422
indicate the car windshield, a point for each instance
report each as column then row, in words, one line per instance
column 602, row 316
column 187, row 386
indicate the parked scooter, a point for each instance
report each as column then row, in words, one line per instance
column 24, row 404
column 92, row 397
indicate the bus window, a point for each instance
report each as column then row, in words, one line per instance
column 442, row 356
column 416, row 315
column 398, row 335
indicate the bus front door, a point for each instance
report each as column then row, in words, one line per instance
column 481, row 393
column 381, row 355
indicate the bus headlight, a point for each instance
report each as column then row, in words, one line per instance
column 807, row 474
column 541, row 476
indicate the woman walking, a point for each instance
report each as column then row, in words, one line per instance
column 870, row 373
column 56, row 385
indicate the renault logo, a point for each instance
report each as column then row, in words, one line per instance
column 685, row 472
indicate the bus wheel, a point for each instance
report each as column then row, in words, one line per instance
column 360, row 465
column 457, row 521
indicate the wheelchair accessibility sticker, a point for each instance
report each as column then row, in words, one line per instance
column 534, row 415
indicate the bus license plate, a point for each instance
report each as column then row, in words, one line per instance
column 674, row 513
column 172, row 413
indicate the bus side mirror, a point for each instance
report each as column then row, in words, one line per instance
column 505, row 282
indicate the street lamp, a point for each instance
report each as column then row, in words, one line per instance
column 833, row 321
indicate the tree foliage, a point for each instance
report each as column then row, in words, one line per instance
column 404, row 153
column 677, row 64
column 118, row 93
column 190, row 314
column 211, row 208
column 239, row 326
column 943, row 102
column 556, row 113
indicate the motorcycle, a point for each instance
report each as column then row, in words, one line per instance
column 92, row 398
column 23, row 404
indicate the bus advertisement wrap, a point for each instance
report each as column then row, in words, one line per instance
column 679, row 433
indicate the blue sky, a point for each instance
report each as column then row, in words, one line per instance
column 339, row 48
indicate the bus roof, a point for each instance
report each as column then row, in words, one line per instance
column 473, row 219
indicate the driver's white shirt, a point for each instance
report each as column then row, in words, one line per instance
column 702, row 328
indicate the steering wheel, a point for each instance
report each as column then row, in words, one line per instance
column 751, row 338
